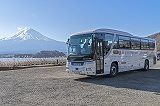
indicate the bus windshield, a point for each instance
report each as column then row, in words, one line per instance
column 80, row 44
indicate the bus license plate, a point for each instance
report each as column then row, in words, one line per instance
column 77, row 72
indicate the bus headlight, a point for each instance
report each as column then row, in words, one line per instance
column 67, row 64
column 88, row 69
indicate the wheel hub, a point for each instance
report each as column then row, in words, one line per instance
column 113, row 70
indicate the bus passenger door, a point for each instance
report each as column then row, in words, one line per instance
column 99, row 56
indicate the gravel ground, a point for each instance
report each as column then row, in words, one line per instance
column 52, row 86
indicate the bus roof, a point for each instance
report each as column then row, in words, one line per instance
column 111, row 31
column 103, row 30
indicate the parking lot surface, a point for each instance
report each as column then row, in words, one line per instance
column 53, row 86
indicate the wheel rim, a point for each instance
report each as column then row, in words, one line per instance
column 113, row 70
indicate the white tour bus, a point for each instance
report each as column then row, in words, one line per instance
column 107, row 51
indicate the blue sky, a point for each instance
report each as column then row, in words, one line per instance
column 58, row 19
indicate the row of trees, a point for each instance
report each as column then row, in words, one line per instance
column 41, row 54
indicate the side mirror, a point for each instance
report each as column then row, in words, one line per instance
column 67, row 41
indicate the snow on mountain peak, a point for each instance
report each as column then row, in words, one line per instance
column 28, row 34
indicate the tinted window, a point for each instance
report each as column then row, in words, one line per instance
column 124, row 42
column 108, row 42
column 116, row 45
column 151, row 44
column 135, row 43
column 144, row 44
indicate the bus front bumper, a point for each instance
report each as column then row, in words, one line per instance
column 82, row 70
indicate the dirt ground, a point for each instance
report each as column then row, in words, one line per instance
column 53, row 86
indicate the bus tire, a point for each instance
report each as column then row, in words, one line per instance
column 113, row 70
column 146, row 65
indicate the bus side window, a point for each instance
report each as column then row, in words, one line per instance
column 108, row 42
column 135, row 43
column 116, row 45
column 124, row 42
column 144, row 44
column 151, row 44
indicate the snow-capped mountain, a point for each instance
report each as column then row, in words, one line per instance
column 28, row 40
column 27, row 34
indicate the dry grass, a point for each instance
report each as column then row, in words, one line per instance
column 17, row 63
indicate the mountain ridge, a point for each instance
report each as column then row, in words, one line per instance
column 26, row 34
column 28, row 40
column 156, row 36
